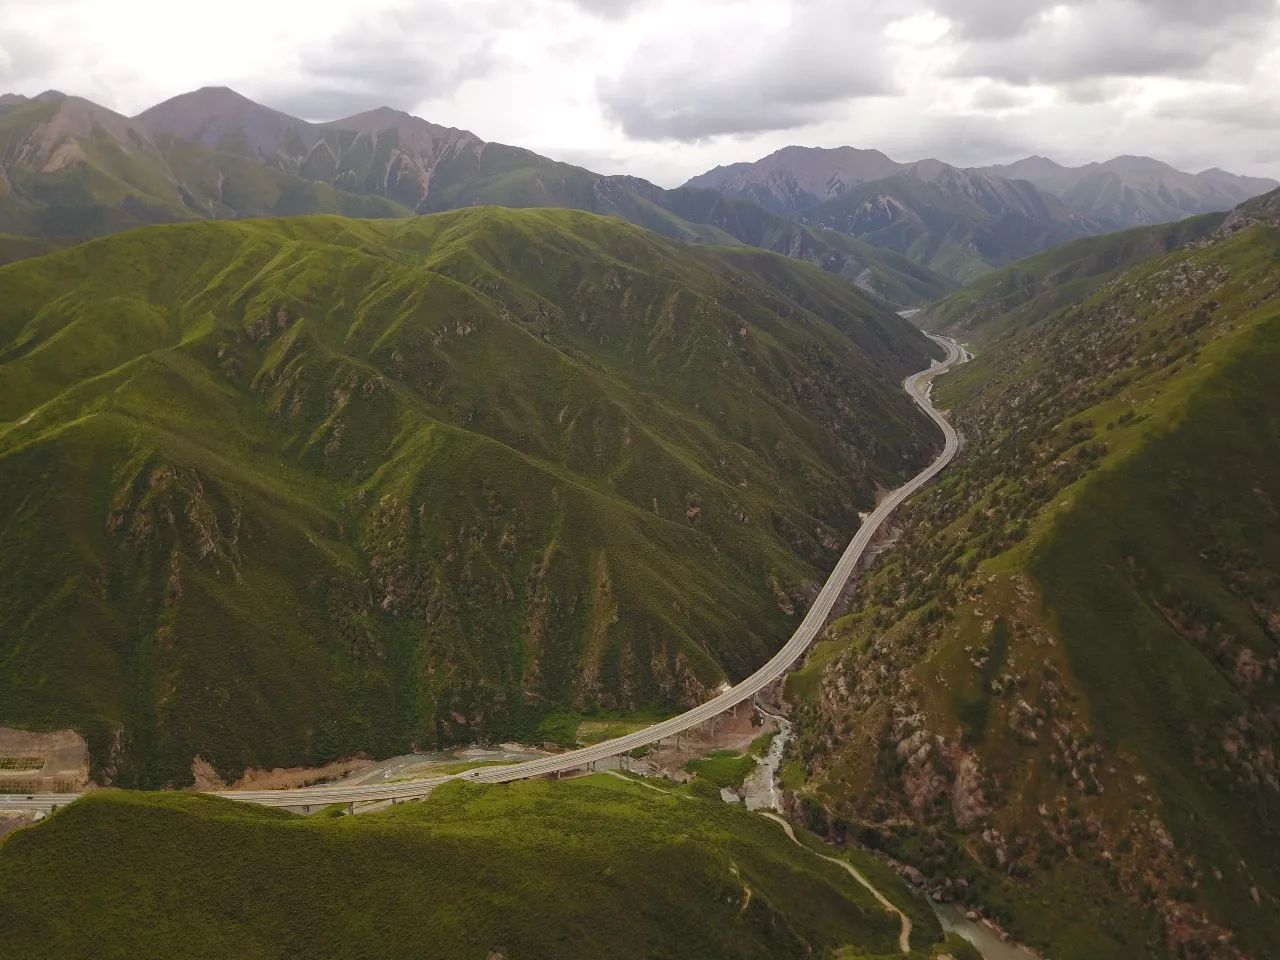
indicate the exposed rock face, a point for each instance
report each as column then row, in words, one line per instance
column 383, row 152
column 222, row 119
column 794, row 178
column 213, row 153
column 1134, row 191
column 963, row 222
column 1262, row 210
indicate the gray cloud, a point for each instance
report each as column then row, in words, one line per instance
column 727, row 79
column 1246, row 108
column 608, row 9
column 1004, row 18
column 22, row 55
column 826, row 55
column 1052, row 43
column 960, row 140
column 998, row 96
column 991, row 18
column 418, row 52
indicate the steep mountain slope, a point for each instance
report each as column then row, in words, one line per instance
column 1059, row 696
column 382, row 152
column 70, row 169
column 889, row 275
column 1133, row 191
column 793, row 179
column 956, row 222
column 1024, row 292
column 223, row 120
column 962, row 223
column 428, row 168
column 279, row 491
column 587, row 868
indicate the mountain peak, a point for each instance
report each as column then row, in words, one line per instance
column 377, row 119
column 1128, row 163
column 223, row 118
column 207, row 101
column 796, row 177
column 383, row 118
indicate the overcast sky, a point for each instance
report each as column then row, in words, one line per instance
column 668, row 88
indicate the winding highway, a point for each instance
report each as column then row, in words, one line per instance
column 917, row 385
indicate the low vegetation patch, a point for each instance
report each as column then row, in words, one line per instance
column 723, row 768
column 21, row 763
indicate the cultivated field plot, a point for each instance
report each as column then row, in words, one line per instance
column 21, row 764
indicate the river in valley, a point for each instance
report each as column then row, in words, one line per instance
column 760, row 791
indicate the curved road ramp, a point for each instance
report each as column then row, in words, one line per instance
column 917, row 385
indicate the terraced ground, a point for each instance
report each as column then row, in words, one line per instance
column 275, row 492
column 1059, row 696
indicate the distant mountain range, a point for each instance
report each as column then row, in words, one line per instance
column 963, row 222
column 70, row 169
column 1136, row 191
column 908, row 232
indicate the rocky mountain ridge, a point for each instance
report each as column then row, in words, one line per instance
column 965, row 221
column 214, row 154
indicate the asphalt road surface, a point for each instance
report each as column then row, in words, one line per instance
column 308, row 798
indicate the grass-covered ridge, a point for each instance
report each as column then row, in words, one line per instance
column 279, row 491
column 1066, row 668
column 1003, row 301
column 587, row 868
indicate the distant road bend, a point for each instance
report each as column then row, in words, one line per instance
column 917, row 385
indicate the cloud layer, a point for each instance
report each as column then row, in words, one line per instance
column 733, row 74
column 667, row 88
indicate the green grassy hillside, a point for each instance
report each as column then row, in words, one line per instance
column 1025, row 292
column 1066, row 670
column 586, row 868
column 275, row 492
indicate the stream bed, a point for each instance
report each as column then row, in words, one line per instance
column 760, row 792
column 986, row 940
column 760, row 789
